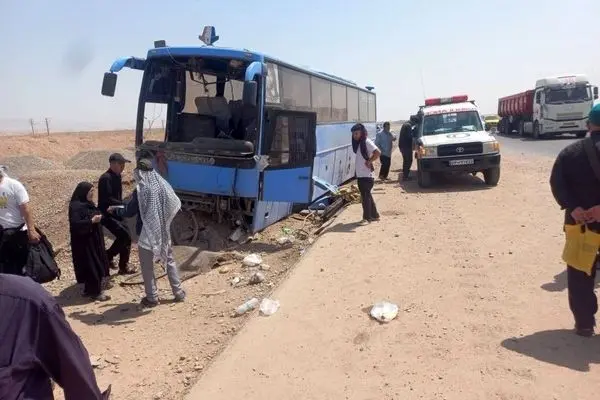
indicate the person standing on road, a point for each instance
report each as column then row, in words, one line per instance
column 110, row 193
column 576, row 188
column 384, row 141
column 15, row 214
column 38, row 344
column 155, row 204
column 87, row 242
column 405, row 143
column 366, row 152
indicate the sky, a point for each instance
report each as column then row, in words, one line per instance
column 57, row 51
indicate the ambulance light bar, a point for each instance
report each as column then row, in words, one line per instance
column 446, row 100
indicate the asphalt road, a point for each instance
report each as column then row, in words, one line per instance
column 526, row 145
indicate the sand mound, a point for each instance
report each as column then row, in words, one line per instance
column 25, row 165
column 95, row 159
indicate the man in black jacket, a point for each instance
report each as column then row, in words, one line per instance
column 405, row 143
column 576, row 189
column 110, row 193
column 38, row 344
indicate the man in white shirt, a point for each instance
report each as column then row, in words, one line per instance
column 14, row 213
column 366, row 153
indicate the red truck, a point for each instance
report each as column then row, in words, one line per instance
column 557, row 105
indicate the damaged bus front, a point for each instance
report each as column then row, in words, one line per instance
column 213, row 152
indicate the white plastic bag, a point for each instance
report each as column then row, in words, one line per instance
column 269, row 307
column 384, row 311
column 252, row 260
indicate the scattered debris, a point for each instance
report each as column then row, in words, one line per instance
column 269, row 307
column 257, row 277
column 237, row 234
column 247, row 306
column 265, row 267
column 235, row 281
column 218, row 292
column 286, row 240
column 252, row 260
column 384, row 311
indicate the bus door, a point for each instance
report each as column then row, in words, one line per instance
column 289, row 139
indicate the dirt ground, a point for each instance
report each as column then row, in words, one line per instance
column 153, row 354
column 481, row 289
column 476, row 273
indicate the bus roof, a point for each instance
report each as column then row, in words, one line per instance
column 247, row 55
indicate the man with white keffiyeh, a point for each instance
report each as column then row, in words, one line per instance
column 155, row 204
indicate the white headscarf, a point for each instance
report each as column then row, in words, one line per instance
column 158, row 206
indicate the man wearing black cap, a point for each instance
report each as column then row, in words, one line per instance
column 575, row 184
column 110, row 193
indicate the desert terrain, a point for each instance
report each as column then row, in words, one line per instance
column 475, row 271
column 143, row 354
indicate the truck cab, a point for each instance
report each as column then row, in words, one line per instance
column 561, row 105
column 451, row 139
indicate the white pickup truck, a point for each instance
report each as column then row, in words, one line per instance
column 451, row 138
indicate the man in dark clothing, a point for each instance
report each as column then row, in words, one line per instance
column 37, row 344
column 577, row 191
column 405, row 143
column 110, row 193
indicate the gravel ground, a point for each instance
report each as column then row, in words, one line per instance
column 153, row 354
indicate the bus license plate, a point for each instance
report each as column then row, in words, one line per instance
column 468, row 161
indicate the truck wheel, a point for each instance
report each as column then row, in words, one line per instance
column 581, row 135
column 521, row 128
column 491, row 176
column 536, row 131
column 423, row 178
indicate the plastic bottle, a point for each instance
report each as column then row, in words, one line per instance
column 247, row 306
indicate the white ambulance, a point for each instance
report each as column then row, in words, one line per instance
column 451, row 138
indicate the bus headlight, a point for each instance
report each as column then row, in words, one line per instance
column 427, row 151
column 491, row 147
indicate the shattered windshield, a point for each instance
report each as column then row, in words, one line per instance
column 463, row 121
column 575, row 94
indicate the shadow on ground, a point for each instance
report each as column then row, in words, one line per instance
column 560, row 282
column 113, row 314
column 445, row 184
column 343, row 227
column 559, row 347
column 532, row 139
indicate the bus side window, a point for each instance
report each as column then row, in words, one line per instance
column 292, row 139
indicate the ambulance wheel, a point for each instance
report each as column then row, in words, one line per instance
column 423, row 178
column 492, row 176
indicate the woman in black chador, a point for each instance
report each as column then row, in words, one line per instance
column 87, row 242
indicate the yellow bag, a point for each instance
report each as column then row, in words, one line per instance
column 581, row 247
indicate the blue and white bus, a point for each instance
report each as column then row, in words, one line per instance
column 246, row 135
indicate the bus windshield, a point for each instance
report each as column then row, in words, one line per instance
column 575, row 94
column 204, row 101
column 463, row 121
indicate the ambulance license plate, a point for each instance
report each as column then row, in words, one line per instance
column 468, row 161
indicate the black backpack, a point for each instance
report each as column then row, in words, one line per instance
column 41, row 265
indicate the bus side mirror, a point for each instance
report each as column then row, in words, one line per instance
column 595, row 92
column 250, row 93
column 109, row 84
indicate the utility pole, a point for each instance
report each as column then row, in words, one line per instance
column 47, row 126
column 32, row 128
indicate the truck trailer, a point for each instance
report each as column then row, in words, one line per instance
column 556, row 106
